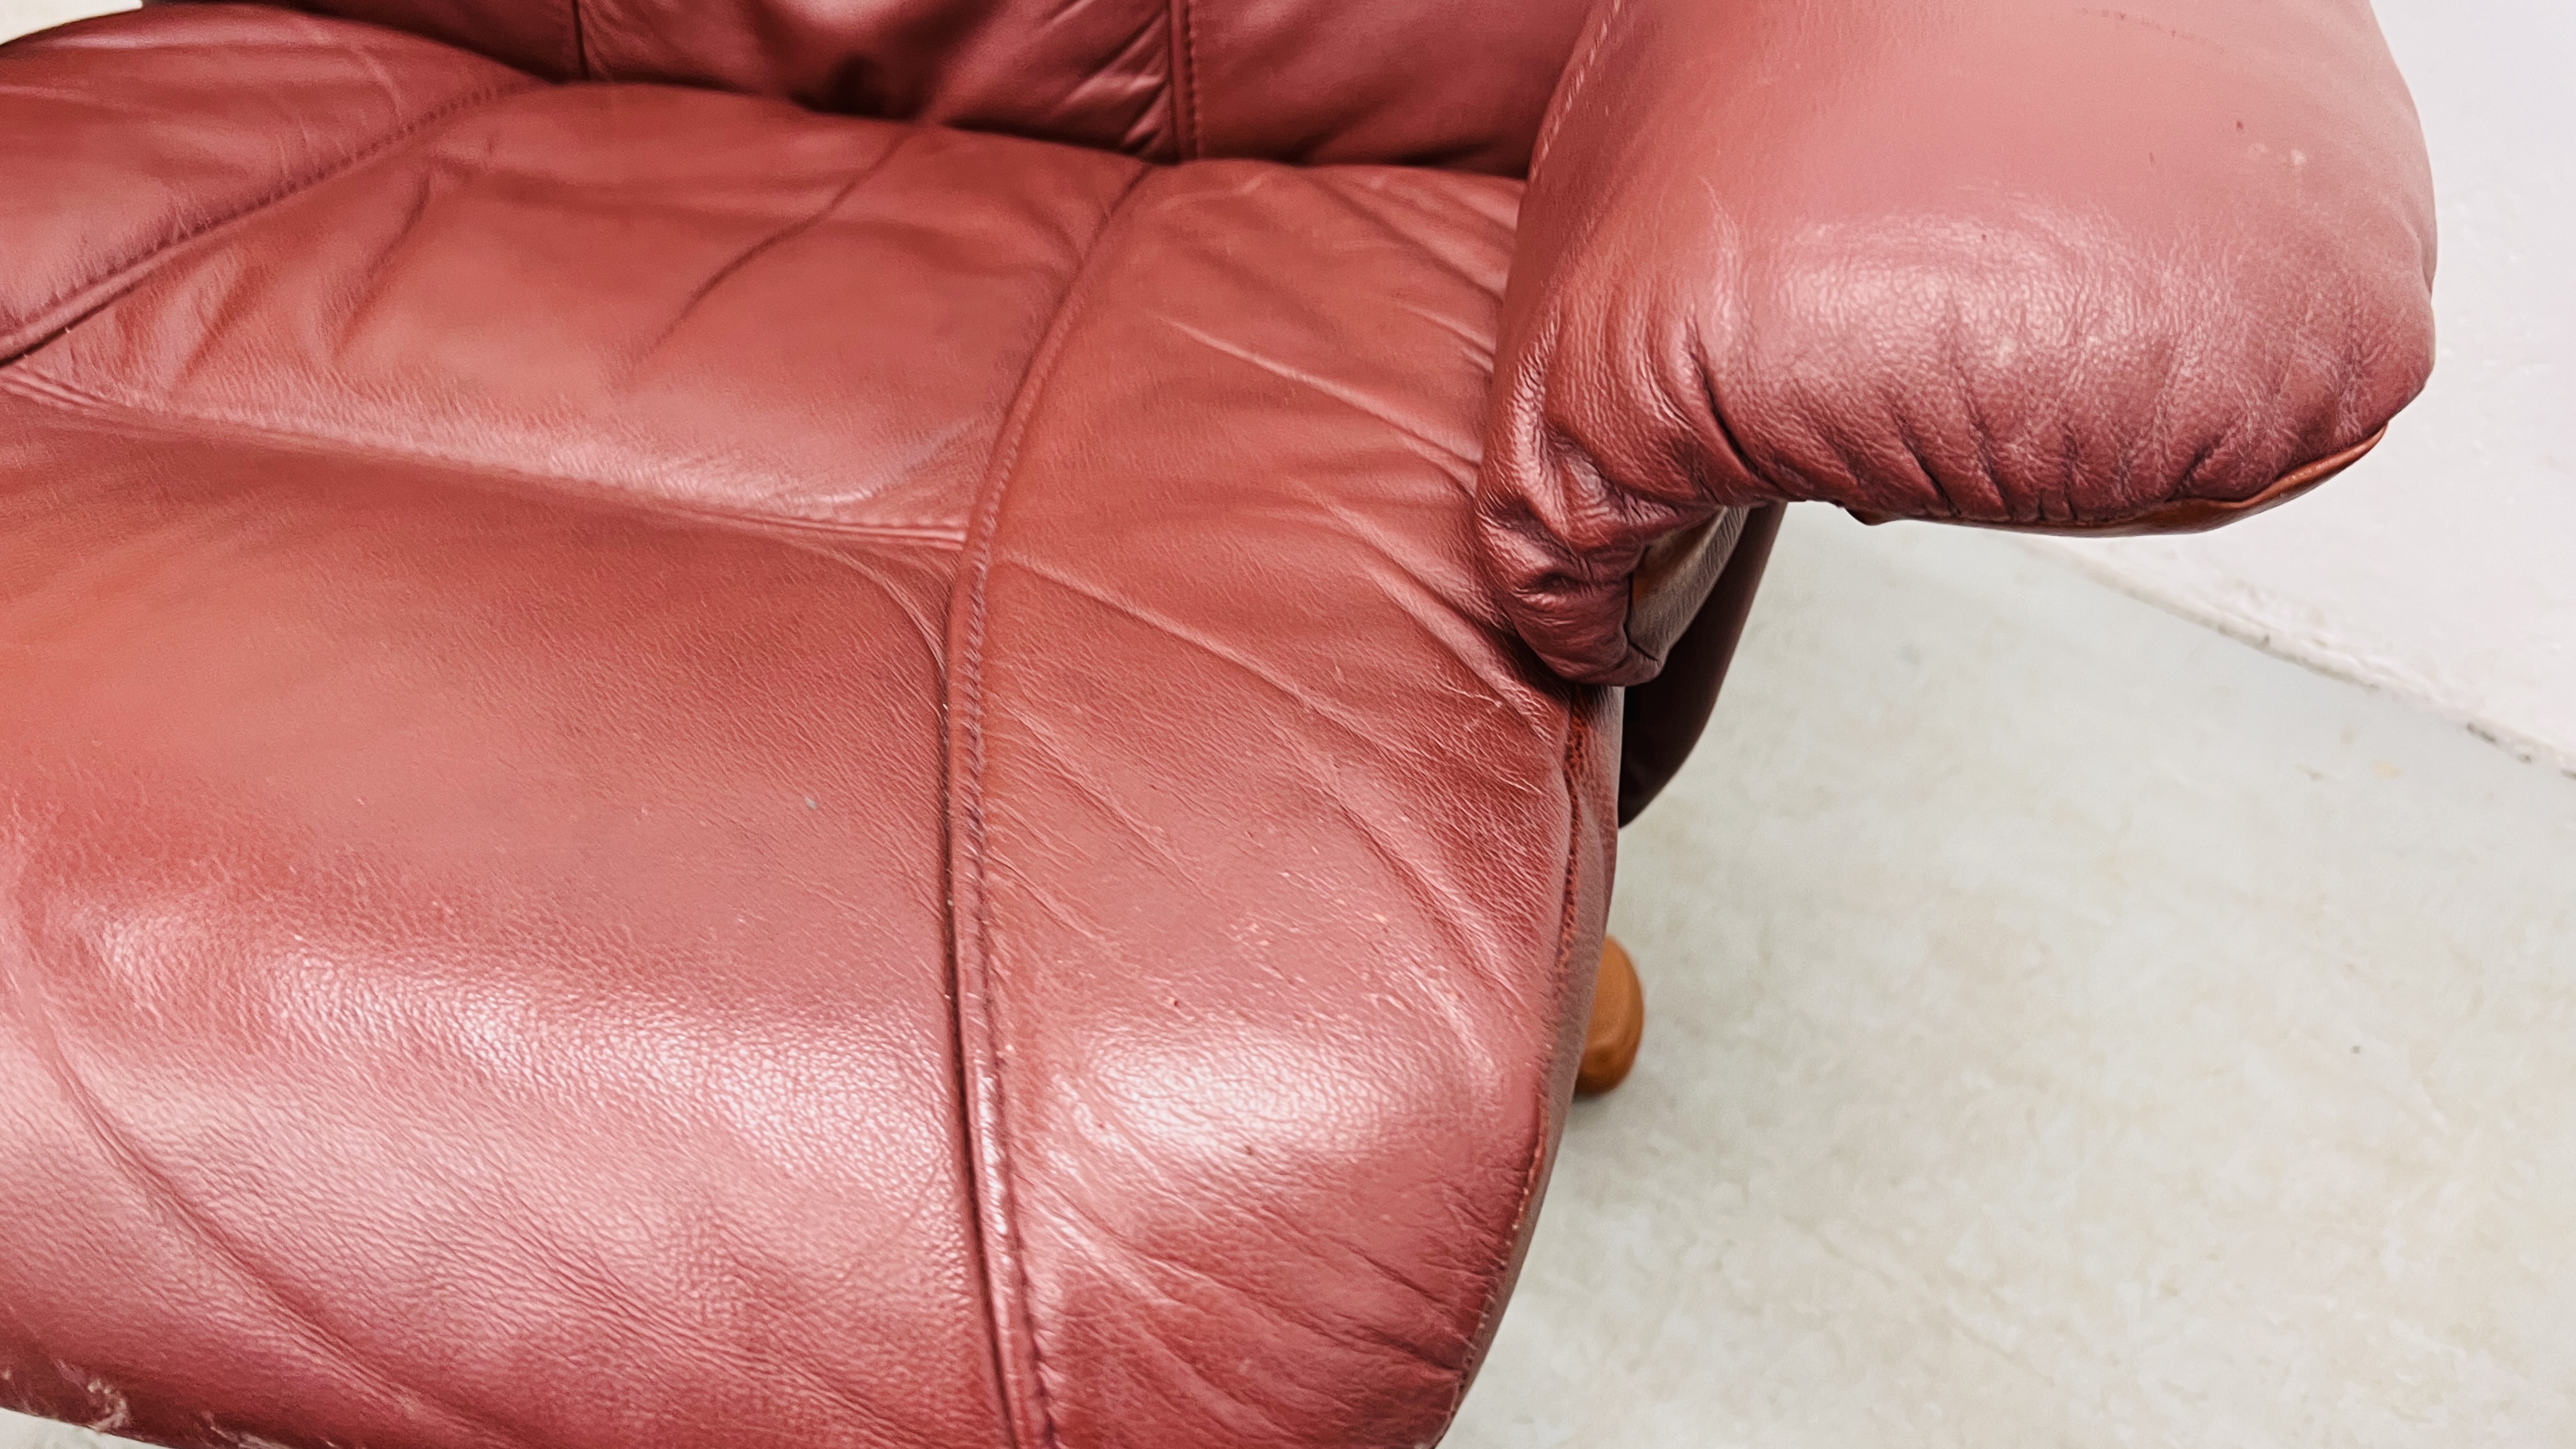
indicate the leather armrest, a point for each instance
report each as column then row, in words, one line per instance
column 2022, row 263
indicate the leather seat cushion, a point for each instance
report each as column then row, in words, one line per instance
column 674, row 772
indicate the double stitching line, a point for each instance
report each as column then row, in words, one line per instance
column 982, row 1089
column 1189, row 139
column 1577, row 81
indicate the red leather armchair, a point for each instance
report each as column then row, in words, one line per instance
column 893, row 722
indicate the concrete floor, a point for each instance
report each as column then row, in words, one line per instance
column 2070, row 1028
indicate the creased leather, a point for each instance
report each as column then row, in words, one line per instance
column 1453, row 83
column 472, row 964
column 2040, row 264
column 716, row 335
column 1266, row 967
column 519, row 928
column 101, row 181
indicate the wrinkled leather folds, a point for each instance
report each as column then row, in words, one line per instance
column 1440, row 82
column 635, row 810
column 131, row 137
column 1988, row 261
column 1270, row 1013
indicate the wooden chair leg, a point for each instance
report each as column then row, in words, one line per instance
column 1618, row 1024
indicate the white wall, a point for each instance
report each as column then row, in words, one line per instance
column 2443, row 567
column 21, row 17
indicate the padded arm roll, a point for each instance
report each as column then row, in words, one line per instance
column 2024, row 263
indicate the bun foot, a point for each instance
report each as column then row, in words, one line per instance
column 1618, row 1024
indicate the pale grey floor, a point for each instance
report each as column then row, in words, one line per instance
column 2070, row 1028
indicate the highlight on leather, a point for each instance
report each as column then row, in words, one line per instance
column 193, row 158
column 2045, row 266
column 523, row 923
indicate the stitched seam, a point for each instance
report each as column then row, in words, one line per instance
column 988, row 1110
column 1198, row 112
column 1579, row 80
column 580, row 39
column 1184, row 89
column 1569, row 767
column 129, row 269
column 61, row 396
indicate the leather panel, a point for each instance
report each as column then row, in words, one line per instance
column 542, row 37
column 476, row 728
column 131, row 134
column 1094, row 74
column 1459, row 84
column 717, row 303
column 472, row 965
column 1273, row 846
column 1449, row 82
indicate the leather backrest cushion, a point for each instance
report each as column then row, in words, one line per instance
column 1457, row 83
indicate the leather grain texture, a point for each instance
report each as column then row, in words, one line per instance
column 2016, row 262
column 1274, row 973
column 1452, row 83
column 709, row 302
column 104, row 177
column 634, row 808
column 472, row 964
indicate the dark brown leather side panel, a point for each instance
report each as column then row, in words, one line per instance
column 1663, row 718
